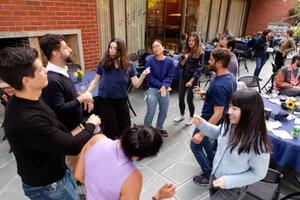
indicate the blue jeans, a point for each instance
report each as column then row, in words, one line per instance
column 205, row 161
column 260, row 62
column 64, row 189
column 153, row 97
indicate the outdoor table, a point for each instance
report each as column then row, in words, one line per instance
column 284, row 151
column 84, row 84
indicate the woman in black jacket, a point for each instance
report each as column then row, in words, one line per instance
column 191, row 63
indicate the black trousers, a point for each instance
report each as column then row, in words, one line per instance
column 222, row 194
column 115, row 116
column 182, row 90
column 279, row 60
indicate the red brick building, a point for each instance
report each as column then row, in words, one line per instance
column 38, row 15
column 28, row 16
column 262, row 12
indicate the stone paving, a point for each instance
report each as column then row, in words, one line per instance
column 174, row 163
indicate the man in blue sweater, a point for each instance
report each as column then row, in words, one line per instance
column 216, row 104
column 60, row 94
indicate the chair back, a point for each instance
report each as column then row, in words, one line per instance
column 275, row 68
column 251, row 81
column 241, row 46
column 3, row 97
column 142, row 54
column 268, row 188
column 133, row 57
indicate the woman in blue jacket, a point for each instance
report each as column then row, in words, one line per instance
column 159, row 82
column 243, row 152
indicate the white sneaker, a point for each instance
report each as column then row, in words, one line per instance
column 189, row 122
column 178, row 119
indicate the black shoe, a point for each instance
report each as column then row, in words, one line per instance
column 163, row 133
column 201, row 180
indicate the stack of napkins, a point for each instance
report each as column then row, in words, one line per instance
column 282, row 134
column 273, row 125
column 276, row 101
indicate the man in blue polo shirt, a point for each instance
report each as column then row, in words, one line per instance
column 217, row 99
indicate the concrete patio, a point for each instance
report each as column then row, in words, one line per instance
column 174, row 163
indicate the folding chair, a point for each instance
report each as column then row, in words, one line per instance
column 268, row 188
column 294, row 194
column 133, row 57
column 270, row 80
column 142, row 54
column 251, row 81
column 3, row 97
column 241, row 51
column 129, row 88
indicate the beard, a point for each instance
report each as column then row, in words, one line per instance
column 68, row 59
column 213, row 68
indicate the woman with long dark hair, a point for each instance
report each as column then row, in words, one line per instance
column 243, row 152
column 113, row 75
column 191, row 63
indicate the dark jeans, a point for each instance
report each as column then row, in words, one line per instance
column 115, row 116
column 205, row 161
column 64, row 189
column 260, row 62
column 292, row 92
column 182, row 89
column 221, row 194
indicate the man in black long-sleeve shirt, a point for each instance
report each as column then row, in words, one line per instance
column 60, row 94
column 38, row 140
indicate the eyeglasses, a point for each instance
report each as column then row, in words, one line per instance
column 156, row 46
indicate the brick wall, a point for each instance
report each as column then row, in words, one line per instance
column 33, row 15
column 263, row 12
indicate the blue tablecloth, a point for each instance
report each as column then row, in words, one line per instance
column 284, row 152
column 84, row 84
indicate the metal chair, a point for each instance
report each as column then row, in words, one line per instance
column 3, row 97
column 129, row 88
column 268, row 188
column 271, row 80
column 294, row 194
column 241, row 57
column 251, row 81
column 133, row 57
column 142, row 54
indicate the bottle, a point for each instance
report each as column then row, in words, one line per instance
column 295, row 131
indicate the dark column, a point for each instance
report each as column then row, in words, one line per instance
column 183, row 17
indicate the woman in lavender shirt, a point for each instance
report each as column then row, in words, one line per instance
column 105, row 166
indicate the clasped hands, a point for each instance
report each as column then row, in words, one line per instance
column 87, row 99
